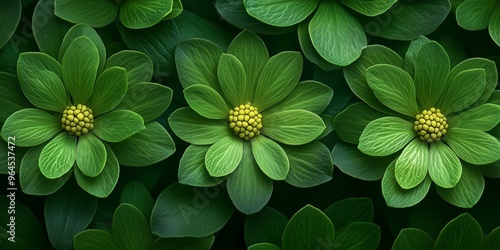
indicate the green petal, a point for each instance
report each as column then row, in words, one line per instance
column 90, row 155
column 310, row 164
column 109, row 90
column 432, row 67
column 463, row 232
column 411, row 167
column 117, row 125
column 192, row 169
column 31, row 127
column 223, row 157
column 12, row 98
column 413, row 238
column 394, row 88
column 232, row 79
column 469, row 189
column 94, row 239
column 293, row 127
column 140, row 14
column 370, row 8
column 484, row 118
column 278, row 78
column 102, row 185
column 337, row 36
column 247, row 186
column 385, row 136
column 40, row 79
column 195, row 129
column 58, row 156
column 206, row 101
column 130, row 228
column 138, row 65
column 396, row 196
column 445, row 168
column 350, row 123
column 413, row 52
column 280, row 13
column 463, row 90
column 79, row 68
column 494, row 26
column 96, row 13
column 270, row 157
column 252, row 53
column 475, row 15
column 473, row 146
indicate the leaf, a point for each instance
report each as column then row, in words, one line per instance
column 40, row 79
column 475, row 15
column 136, row 194
column 206, row 101
column 385, row 136
column 249, row 188
column 177, row 9
column 311, row 220
column 185, row 243
column 413, row 239
column 293, row 127
column 140, row 14
column 445, row 168
column 192, row 169
column 195, row 129
column 79, row 69
column 265, row 226
column 308, row 48
column 31, row 127
column 358, row 235
column 232, row 79
column 224, row 156
column 270, row 157
column 94, row 239
column 48, row 29
column 492, row 240
column 146, row 147
column 194, row 212
column 109, row 90
column 463, row 90
column 58, row 156
column 9, row 17
column 462, row 232
column 139, row 67
column 344, row 212
column 95, row 13
column 12, row 98
column 370, row 8
column 413, row 51
column 484, row 118
column 280, row 13
column 263, row 246
column 117, row 125
column 310, row 164
column 68, row 212
column 278, row 78
column 469, row 189
column 394, row 88
column 473, row 146
column 90, row 155
column 494, row 26
column 411, row 166
column 337, row 36
column 130, row 228
column 350, row 123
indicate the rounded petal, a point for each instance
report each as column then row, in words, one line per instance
column 206, row 101
column 192, row 169
column 224, row 156
column 58, row 156
column 473, row 146
column 445, row 168
column 411, row 166
column 270, row 157
column 385, row 136
column 293, row 127
column 117, row 125
column 90, row 155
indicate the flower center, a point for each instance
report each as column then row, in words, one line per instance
column 245, row 120
column 77, row 120
column 430, row 125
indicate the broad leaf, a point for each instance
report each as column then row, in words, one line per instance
column 140, row 14
column 232, row 79
column 310, row 164
column 411, row 166
column 308, row 48
column 12, row 98
column 265, row 226
column 57, row 157
column 350, row 123
column 492, row 241
column 369, row 8
column 96, row 13
column 109, row 90
column 293, row 127
column 484, row 118
column 136, row 194
column 184, row 243
column 280, row 13
column 224, row 156
column 463, row 90
column 494, row 26
column 270, row 157
column 475, row 15
column 412, row 53
column 94, row 239
column 31, row 127
column 206, row 101
column 467, row 192
column 358, row 235
column 192, row 168
column 90, row 155
column 473, row 146
column 445, row 168
column 138, row 65
column 117, row 125
column 462, row 232
column 10, row 15
column 413, row 239
column 385, row 136
column 130, row 228
column 344, row 212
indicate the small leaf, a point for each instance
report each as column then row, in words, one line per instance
column 192, row 169
column 58, row 156
column 117, row 125
column 140, row 14
column 265, row 226
column 270, row 157
column 463, row 90
column 413, row 239
column 445, row 168
column 310, row 164
column 293, row 127
column 469, row 189
column 138, row 65
column 109, row 90
column 224, row 156
column 473, row 146
column 96, row 13
column 130, row 228
column 411, row 166
column 370, row 8
column 232, row 78
column 350, row 123
column 462, row 232
column 385, row 136
column 358, row 235
column 206, row 101
column 344, row 212
column 90, row 155
column 475, row 15
column 94, row 239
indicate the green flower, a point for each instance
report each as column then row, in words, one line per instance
column 89, row 112
column 247, row 114
column 479, row 15
column 429, row 122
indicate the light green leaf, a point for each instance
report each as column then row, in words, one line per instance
column 310, row 164
column 358, row 235
column 270, row 157
column 146, row 147
column 394, row 88
column 117, row 125
column 369, row 8
column 90, row 155
column 411, row 166
column 177, row 9
column 347, row 211
column 136, row 194
column 12, row 98
column 432, row 67
column 149, row 100
column 494, row 26
column 48, row 29
column 224, row 156
column 337, row 35
column 31, row 127
column 265, row 226
column 40, row 79
column 308, row 48
column 467, row 192
column 102, row 185
column 247, row 186
column 195, row 129
column 280, row 13
column 492, row 241
column 462, row 232
column 138, row 65
column 79, row 69
column 130, row 228
column 413, row 239
column 463, row 90
column 232, row 79
column 96, row 13
column 293, row 127
column 140, row 14
column 206, row 101
column 9, row 17
column 58, row 156
column 385, row 136
column 94, row 239
column 109, row 90
column 350, row 123
column 192, row 169
column 397, row 197
column 484, row 118
column 445, row 168
column 473, row 146
column 475, row 15
column 278, row 78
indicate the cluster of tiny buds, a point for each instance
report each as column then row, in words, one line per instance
column 245, row 121
column 430, row 125
column 77, row 120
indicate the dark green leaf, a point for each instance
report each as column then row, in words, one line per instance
column 463, row 90
column 475, row 15
column 10, row 15
column 185, row 243
column 109, row 90
column 350, row 123
column 358, row 236
column 12, row 98
column 93, row 239
column 413, row 239
column 280, row 13
column 462, row 232
column 192, row 169
column 469, row 189
column 369, row 8
column 347, row 211
column 96, row 13
column 138, row 65
column 310, row 164
column 130, row 228
column 492, row 241
column 353, row 162
column 136, row 194
column 149, row 100
column 266, row 226
column 140, row 14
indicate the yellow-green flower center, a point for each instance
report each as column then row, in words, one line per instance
column 245, row 121
column 77, row 120
column 430, row 125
